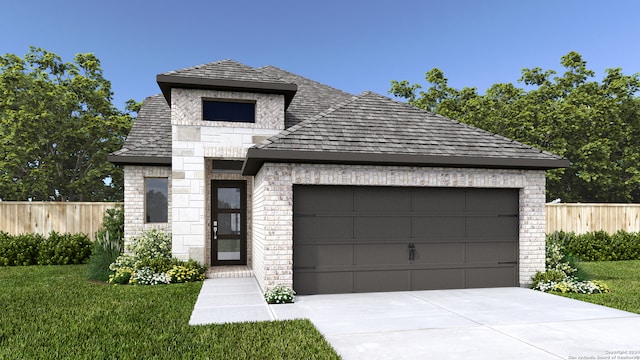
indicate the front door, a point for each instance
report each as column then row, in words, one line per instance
column 228, row 222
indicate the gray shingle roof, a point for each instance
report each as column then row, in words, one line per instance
column 325, row 124
column 149, row 140
column 225, row 70
column 311, row 99
column 378, row 129
column 225, row 75
column 150, row 136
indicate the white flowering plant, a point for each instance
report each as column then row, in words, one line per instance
column 279, row 294
column 148, row 261
column 560, row 273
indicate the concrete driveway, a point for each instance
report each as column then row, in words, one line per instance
column 498, row 323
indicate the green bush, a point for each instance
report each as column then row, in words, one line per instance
column 108, row 245
column 561, row 271
column 186, row 271
column 35, row 249
column 599, row 245
column 64, row 249
column 149, row 262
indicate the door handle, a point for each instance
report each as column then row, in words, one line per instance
column 215, row 229
column 412, row 252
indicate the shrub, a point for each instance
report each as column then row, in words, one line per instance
column 560, row 270
column 146, row 276
column 64, row 249
column 186, row 272
column 599, row 245
column 106, row 250
column 19, row 249
column 279, row 294
column 121, row 276
column 35, row 249
column 149, row 262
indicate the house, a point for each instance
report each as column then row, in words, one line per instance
column 301, row 184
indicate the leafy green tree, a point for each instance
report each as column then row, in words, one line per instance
column 57, row 126
column 596, row 125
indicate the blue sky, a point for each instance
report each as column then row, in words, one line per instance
column 351, row 45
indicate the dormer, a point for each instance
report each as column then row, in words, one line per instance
column 226, row 94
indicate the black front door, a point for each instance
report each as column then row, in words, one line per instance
column 228, row 222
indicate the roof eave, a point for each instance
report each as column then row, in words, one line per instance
column 139, row 160
column 167, row 82
column 257, row 157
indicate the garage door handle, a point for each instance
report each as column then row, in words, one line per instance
column 412, row 252
column 506, row 262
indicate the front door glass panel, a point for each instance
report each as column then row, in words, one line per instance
column 228, row 220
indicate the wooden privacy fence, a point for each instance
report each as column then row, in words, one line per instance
column 22, row 217
column 582, row 218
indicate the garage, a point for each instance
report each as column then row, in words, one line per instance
column 375, row 238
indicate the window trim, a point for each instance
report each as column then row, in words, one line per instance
column 145, row 217
column 241, row 101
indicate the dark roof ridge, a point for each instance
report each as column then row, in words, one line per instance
column 300, row 76
column 205, row 64
column 307, row 122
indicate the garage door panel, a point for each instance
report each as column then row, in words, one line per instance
column 438, row 279
column 437, row 200
column 307, row 283
column 390, row 280
column 356, row 239
column 440, row 253
column 322, row 199
column 493, row 227
column 424, row 227
column 491, row 277
column 493, row 200
column 383, row 254
column 371, row 199
column 312, row 255
column 491, row 252
column 325, row 227
column 376, row 227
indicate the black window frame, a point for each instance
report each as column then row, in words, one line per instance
column 234, row 110
column 162, row 218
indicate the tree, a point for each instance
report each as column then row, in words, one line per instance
column 596, row 125
column 57, row 126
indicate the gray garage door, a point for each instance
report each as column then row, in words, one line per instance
column 365, row 239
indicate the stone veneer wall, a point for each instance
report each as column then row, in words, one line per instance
column 273, row 207
column 134, row 176
column 193, row 140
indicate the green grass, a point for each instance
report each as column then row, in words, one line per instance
column 623, row 278
column 53, row 312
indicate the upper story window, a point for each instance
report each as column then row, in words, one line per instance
column 234, row 111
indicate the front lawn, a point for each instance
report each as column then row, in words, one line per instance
column 623, row 278
column 53, row 312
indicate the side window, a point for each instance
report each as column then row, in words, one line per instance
column 156, row 200
column 233, row 111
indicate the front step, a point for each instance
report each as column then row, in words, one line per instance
column 231, row 271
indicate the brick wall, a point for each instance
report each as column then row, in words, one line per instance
column 273, row 207
column 134, row 177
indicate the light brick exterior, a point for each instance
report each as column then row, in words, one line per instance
column 134, row 176
column 194, row 141
column 273, row 207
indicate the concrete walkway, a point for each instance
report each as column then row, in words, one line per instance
column 497, row 323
